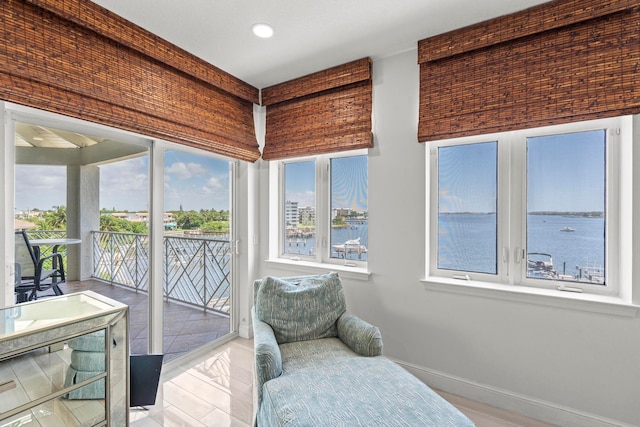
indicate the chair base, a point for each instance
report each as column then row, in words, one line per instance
column 24, row 294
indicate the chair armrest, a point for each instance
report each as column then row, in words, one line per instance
column 51, row 277
column 268, row 357
column 56, row 259
column 56, row 256
column 361, row 337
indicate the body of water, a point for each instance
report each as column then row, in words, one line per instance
column 467, row 242
column 356, row 230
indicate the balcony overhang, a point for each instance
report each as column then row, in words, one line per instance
column 38, row 145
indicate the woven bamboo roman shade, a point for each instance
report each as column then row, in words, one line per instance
column 76, row 58
column 324, row 112
column 559, row 62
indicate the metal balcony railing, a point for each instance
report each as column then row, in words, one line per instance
column 48, row 250
column 196, row 271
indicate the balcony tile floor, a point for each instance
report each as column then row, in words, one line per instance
column 185, row 327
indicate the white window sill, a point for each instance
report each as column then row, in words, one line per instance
column 546, row 297
column 307, row 267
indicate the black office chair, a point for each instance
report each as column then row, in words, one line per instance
column 31, row 275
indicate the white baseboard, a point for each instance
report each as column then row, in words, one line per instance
column 531, row 407
column 245, row 331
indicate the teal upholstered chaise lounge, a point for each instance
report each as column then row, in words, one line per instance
column 316, row 365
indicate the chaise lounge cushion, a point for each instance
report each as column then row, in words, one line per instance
column 324, row 383
column 331, row 374
column 301, row 311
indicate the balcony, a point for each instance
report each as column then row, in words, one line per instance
column 196, row 286
column 76, row 166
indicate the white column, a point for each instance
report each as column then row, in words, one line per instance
column 83, row 217
column 245, row 221
column 156, row 236
column 7, row 161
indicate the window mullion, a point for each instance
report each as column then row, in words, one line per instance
column 322, row 208
column 506, row 262
column 517, row 206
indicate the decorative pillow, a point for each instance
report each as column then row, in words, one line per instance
column 301, row 311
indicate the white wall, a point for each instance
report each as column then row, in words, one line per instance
column 566, row 366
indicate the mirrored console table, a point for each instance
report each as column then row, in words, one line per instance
column 64, row 361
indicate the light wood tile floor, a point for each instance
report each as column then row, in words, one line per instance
column 488, row 416
column 216, row 389
column 212, row 389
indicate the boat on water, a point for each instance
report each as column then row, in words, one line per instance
column 350, row 247
column 567, row 229
column 540, row 266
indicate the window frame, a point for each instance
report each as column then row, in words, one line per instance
column 511, row 215
column 322, row 253
column 434, row 205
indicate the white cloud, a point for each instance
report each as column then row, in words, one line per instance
column 185, row 170
column 306, row 198
column 212, row 186
column 125, row 184
column 40, row 187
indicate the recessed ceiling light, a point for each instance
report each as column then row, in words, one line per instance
column 264, row 31
column 38, row 138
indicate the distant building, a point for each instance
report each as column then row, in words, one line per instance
column 291, row 214
column 29, row 214
column 168, row 219
column 343, row 212
column 307, row 215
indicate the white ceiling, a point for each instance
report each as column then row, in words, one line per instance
column 309, row 35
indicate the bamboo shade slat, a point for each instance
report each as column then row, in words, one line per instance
column 61, row 64
column 324, row 112
column 582, row 64
column 125, row 33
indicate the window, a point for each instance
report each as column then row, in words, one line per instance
column 299, row 225
column 467, row 221
column 323, row 209
column 349, row 216
column 537, row 207
column 566, row 207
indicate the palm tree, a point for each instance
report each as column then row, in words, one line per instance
column 54, row 220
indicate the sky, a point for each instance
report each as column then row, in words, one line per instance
column 349, row 183
column 193, row 181
column 40, row 187
column 300, row 184
column 565, row 173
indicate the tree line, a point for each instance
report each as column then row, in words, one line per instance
column 205, row 220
